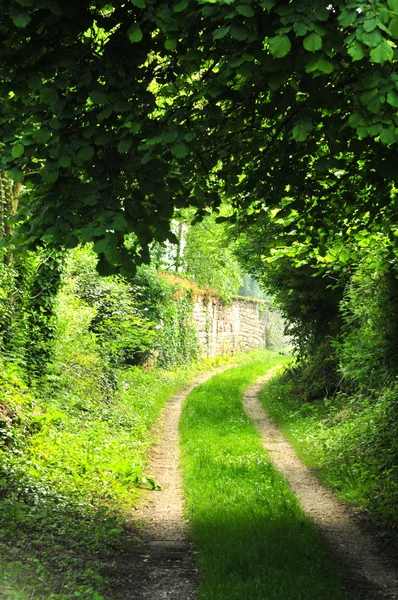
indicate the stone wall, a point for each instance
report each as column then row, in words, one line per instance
column 242, row 325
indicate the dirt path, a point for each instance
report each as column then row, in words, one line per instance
column 167, row 565
column 372, row 575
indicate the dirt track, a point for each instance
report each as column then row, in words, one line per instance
column 372, row 574
column 164, row 566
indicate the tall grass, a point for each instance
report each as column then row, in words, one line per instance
column 71, row 461
column 350, row 442
column 253, row 539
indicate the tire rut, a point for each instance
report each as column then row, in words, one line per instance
column 166, row 566
column 372, row 573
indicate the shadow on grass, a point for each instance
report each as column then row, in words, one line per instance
column 56, row 548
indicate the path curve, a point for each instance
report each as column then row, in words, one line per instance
column 356, row 547
column 167, row 561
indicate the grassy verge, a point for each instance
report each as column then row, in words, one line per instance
column 71, row 463
column 349, row 441
column 254, row 540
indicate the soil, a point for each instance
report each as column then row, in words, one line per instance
column 371, row 574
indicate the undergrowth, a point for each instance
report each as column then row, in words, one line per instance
column 349, row 440
column 71, row 465
column 248, row 526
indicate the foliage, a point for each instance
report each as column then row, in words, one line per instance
column 28, row 288
column 349, row 440
column 305, row 289
column 38, row 310
column 367, row 348
column 72, row 455
column 241, row 509
column 116, row 114
column 209, row 259
column 178, row 341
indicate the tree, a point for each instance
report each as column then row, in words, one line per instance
column 209, row 258
column 116, row 114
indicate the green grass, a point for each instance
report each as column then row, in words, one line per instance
column 349, row 441
column 70, row 466
column 254, row 540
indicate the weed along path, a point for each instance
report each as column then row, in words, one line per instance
column 374, row 577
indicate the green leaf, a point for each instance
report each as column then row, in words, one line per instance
column 101, row 245
column 301, row 130
column 103, row 137
column 393, row 28
column 382, row 52
column 180, row 6
column 91, row 199
column 322, row 14
column 321, row 64
column 392, row 98
column 180, row 150
column 134, row 33
column 372, row 39
column 221, row 32
column 356, row 51
column 124, row 145
column 170, row 44
column 49, row 175
column 41, row 136
column 344, row 256
column 17, row 150
column 347, row 17
column 388, row 137
column 34, row 81
column 393, row 4
column 119, row 223
column 191, row 135
column 146, row 158
column 170, row 136
column 104, row 268
column 22, row 19
column 133, row 127
column 279, row 46
column 71, row 241
column 15, row 174
column 65, row 161
column 104, row 114
column 300, row 28
column 239, row 32
column 98, row 97
column 48, row 96
column 268, row 4
column 245, row 10
column 139, row 3
column 85, row 153
column 312, row 42
column 370, row 24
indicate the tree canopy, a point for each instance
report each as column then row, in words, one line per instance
column 115, row 114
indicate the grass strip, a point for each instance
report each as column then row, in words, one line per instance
column 254, row 540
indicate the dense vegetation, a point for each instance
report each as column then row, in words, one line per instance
column 75, row 414
column 139, row 129
column 116, row 114
column 339, row 403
